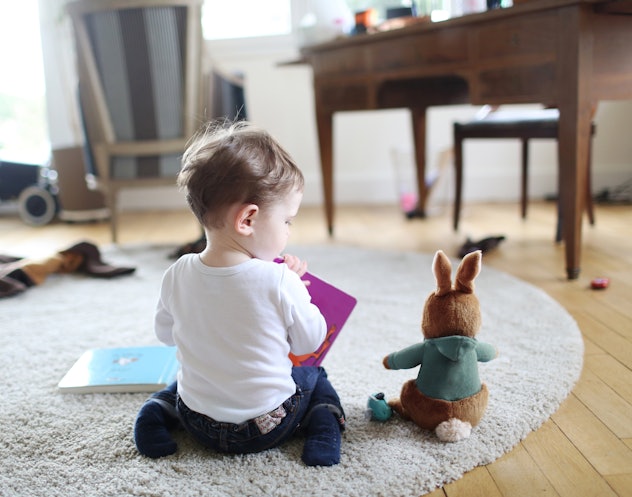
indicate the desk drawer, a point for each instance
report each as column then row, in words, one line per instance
column 526, row 84
column 436, row 48
column 343, row 97
column 344, row 61
column 521, row 36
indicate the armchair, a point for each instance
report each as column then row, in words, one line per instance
column 140, row 86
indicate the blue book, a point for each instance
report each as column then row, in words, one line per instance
column 122, row 369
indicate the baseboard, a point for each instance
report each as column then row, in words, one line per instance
column 83, row 216
column 381, row 189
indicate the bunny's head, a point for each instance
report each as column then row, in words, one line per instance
column 453, row 309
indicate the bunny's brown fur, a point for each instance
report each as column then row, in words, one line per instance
column 452, row 310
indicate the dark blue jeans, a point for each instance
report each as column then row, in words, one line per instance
column 312, row 390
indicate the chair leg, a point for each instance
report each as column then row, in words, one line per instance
column 558, row 229
column 113, row 196
column 589, row 206
column 524, row 195
column 458, row 173
column 589, row 201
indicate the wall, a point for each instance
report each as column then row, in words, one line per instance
column 280, row 98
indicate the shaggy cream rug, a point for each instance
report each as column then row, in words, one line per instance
column 56, row 444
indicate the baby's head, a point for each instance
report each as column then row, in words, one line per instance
column 235, row 163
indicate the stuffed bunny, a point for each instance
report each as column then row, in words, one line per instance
column 447, row 395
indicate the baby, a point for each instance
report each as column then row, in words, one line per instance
column 235, row 315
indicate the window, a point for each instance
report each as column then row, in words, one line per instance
column 23, row 130
column 246, row 18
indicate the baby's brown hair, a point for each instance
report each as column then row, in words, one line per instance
column 230, row 163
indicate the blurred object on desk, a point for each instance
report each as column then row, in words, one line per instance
column 324, row 21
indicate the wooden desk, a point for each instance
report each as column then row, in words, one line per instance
column 566, row 53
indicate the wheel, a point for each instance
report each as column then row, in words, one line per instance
column 36, row 206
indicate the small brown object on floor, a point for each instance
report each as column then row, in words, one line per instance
column 484, row 245
column 16, row 274
column 194, row 247
column 10, row 287
column 92, row 263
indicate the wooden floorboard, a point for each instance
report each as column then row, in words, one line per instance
column 603, row 449
column 585, row 449
column 565, row 467
column 517, row 474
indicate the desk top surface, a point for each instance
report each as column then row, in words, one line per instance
column 526, row 7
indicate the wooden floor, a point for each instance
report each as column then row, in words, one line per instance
column 586, row 448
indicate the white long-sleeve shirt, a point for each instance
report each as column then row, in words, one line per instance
column 234, row 328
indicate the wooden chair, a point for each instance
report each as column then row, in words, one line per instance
column 524, row 126
column 140, row 86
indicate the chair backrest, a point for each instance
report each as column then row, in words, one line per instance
column 139, row 64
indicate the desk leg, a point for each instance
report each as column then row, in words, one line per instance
column 324, row 123
column 419, row 136
column 574, row 142
column 574, row 129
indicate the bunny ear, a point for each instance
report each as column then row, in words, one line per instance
column 442, row 269
column 466, row 272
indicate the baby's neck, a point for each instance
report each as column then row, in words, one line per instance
column 223, row 251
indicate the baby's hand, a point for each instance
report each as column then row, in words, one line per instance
column 295, row 264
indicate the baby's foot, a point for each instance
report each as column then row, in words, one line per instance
column 322, row 445
column 155, row 418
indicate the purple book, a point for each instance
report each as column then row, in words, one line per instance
column 335, row 306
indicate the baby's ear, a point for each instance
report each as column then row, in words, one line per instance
column 245, row 219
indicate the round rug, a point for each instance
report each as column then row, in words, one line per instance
column 82, row 444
